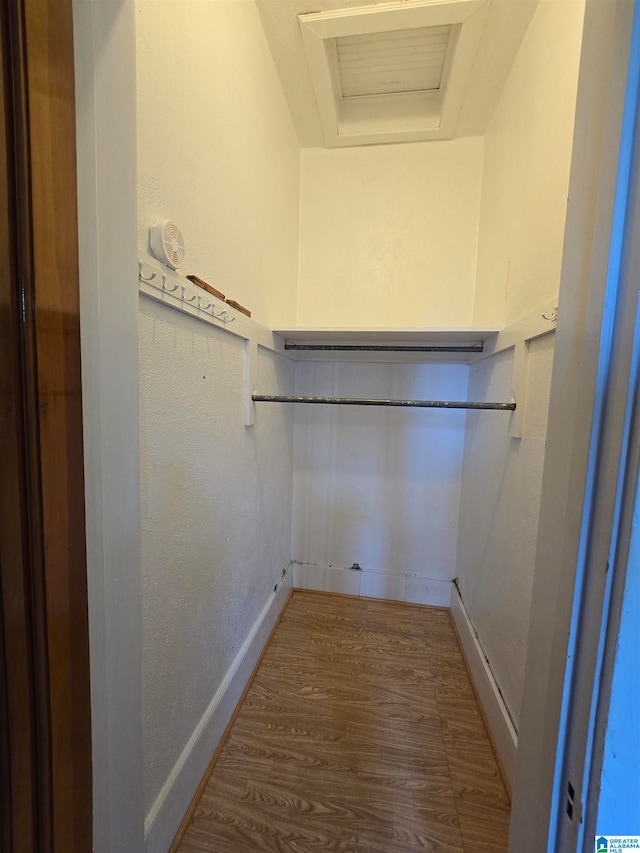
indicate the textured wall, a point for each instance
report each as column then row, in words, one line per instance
column 527, row 155
column 376, row 486
column 499, row 508
column 525, row 179
column 216, row 517
column 217, row 150
column 388, row 234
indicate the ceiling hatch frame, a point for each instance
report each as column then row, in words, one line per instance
column 391, row 117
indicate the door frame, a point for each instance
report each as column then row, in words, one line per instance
column 105, row 62
column 586, row 423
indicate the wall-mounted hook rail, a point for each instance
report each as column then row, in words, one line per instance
column 178, row 293
column 407, row 404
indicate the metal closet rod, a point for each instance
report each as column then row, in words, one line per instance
column 407, row 404
column 382, row 348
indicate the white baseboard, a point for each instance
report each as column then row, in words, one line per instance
column 174, row 799
column 505, row 737
column 393, row 586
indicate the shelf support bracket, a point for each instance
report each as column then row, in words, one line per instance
column 250, row 380
column 519, row 387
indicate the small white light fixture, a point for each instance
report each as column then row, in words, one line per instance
column 167, row 244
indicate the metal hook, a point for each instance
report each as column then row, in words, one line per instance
column 169, row 289
column 224, row 316
column 191, row 298
column 553, row 317
column 141, row 274
column 204, row 307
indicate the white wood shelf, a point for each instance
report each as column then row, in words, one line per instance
column 451, row 337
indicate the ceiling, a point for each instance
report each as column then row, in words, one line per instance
column 499, row 41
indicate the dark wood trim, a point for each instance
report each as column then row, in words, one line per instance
column 27, row 816
column 45, row 722
column 49, row 39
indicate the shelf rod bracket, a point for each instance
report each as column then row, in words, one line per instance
column 250, row 379
column 519, row 386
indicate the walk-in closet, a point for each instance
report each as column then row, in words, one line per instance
column 351, row 226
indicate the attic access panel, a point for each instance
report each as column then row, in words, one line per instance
column 392, row 72
column 393, row 63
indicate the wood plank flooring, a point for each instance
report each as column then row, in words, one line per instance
column 360, row 732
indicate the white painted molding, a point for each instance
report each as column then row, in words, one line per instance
column 540, row 321
column 105, row 71
column 174, row 799
column 178, row 292
column 505, row 737
column 399, row 117
column 250, row 379
column 519, row 387
column 392, row 586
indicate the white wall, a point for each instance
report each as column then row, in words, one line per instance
column 217, row 151
column 524, row 197
column 216, row 510
column 379, row 486
column 499, row 513
column 388, row 234
column 525, row 178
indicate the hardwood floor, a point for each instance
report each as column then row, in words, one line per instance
column 360, row 732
